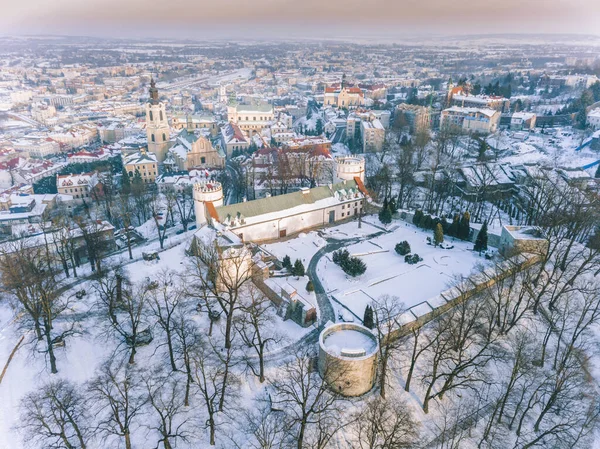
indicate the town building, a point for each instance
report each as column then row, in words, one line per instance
column 470, row 120
column 345, row 97
column 419, row 118
column 593, row 119
column 233, row 139
column 523, row 121
column 79, row 186
column 373, row 135
column 144, row 162
column 37, row 147
column 195, row 122
column 252, row 119
column 191, row 150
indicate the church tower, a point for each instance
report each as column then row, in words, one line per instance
column 157, row 125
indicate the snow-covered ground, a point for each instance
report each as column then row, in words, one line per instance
column 388, row 274
column 302, row 247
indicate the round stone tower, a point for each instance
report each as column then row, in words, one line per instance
column 349, row 167
column 348, row 358
column 206, row 191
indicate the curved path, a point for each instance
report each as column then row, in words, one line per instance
column 326, row 311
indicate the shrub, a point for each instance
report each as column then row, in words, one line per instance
column 354, row 266
column 412, row 259
column 340, row 256
column 402, row 248
column 310, row 287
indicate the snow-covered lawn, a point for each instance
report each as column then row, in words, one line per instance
column 302, row 247
column 388, row 274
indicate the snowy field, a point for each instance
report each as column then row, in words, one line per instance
column 388, row 274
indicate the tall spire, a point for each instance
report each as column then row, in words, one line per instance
column 153, row 92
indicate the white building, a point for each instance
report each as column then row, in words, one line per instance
column 373, row 135
column 470, row 120
column 523, row 120
column 279, row 216
column 593, row 119
column 37, row 147
column 251, row 119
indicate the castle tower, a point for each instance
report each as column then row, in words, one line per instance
column 349, row 167
column 206, row 191
column 157, row 125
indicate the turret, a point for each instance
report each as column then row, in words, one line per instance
column 349, row 167
column 205, row 192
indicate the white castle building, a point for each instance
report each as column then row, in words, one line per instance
column 280, row 216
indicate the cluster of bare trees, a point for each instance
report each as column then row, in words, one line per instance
column 515, row 343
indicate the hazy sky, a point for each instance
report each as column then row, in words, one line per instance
column 296, row 18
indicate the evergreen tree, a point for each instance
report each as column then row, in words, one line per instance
column 368, row 318
column 417, row 217
column 438, row 235
column 298, row 269
column 392, row 205
column 287, row 262
column 137, row 179
column 319, row 127
column 125, row 182
column 453, row 229
column 481, row 242
column 385, row 214
column 465, row 226
column 597, row 175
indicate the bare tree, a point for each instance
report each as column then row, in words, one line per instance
column 126, row 308
column 126, row 214
column 171, row 421
column 164, row 301
column 303, row 396
column 386, row 314
column 211, row 378
column 56, row 416
column 186, row 340
column 184, row 200
column 156, row 207
column 221, row 273
column 26, row 278
column 383, row 424
column 264, row 427
column 254, row 325
column 118, row 396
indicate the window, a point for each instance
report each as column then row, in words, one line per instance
column 164, row 137
column 161, row 116
column 153, row 139
column 203, row 160
column 151, row 116
column 343, row 206
column 342, row 214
